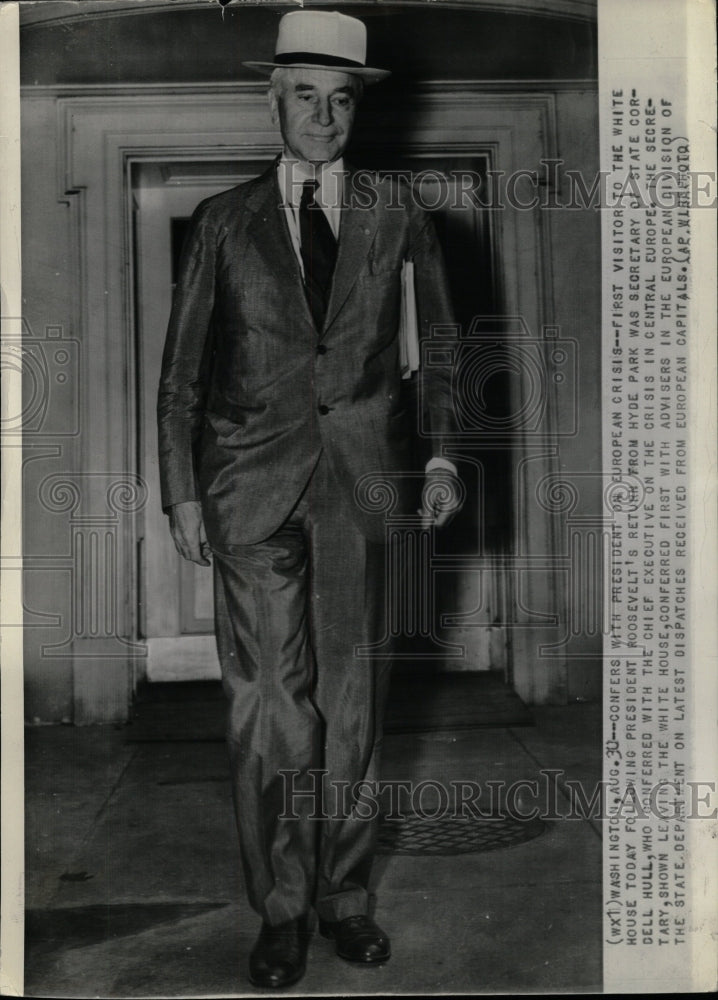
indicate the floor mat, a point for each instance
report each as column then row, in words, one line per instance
column 451, row 834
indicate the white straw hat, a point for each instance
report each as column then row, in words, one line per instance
column 318, row 39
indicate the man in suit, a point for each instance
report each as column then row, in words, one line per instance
column 280, row 391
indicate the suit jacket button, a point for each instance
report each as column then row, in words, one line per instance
column 323, row 409
column 322, row 349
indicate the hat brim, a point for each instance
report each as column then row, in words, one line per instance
column 367, row 73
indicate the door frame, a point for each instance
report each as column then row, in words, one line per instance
column 470, row 643
column 101, row 132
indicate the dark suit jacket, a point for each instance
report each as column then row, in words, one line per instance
column 251, row 391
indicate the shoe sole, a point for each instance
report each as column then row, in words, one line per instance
column 277, row 986
column 364, row 961
column 326, row 933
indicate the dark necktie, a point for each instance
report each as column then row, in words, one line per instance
column 319, row 252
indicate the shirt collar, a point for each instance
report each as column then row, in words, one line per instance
column 292, row 174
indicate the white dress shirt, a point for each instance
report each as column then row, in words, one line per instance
column 291, row 175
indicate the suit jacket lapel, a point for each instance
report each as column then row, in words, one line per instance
column 269, row 232
column 356, row 233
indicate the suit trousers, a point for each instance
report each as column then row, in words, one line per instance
column 305, row 710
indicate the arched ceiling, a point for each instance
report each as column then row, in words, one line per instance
column 46, row 11
column 106, row 42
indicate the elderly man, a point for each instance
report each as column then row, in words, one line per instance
column 280, row 390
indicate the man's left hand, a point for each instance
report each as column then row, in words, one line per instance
column 442, row 497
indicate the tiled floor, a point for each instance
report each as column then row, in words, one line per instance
column 134, row 889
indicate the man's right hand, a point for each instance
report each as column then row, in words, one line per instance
column 188, row 532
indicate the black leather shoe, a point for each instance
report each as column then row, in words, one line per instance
column 279, row 957
column 358, row 939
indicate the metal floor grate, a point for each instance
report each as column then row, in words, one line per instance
column 446, row 835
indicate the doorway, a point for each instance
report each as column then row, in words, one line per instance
column 176, row 601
